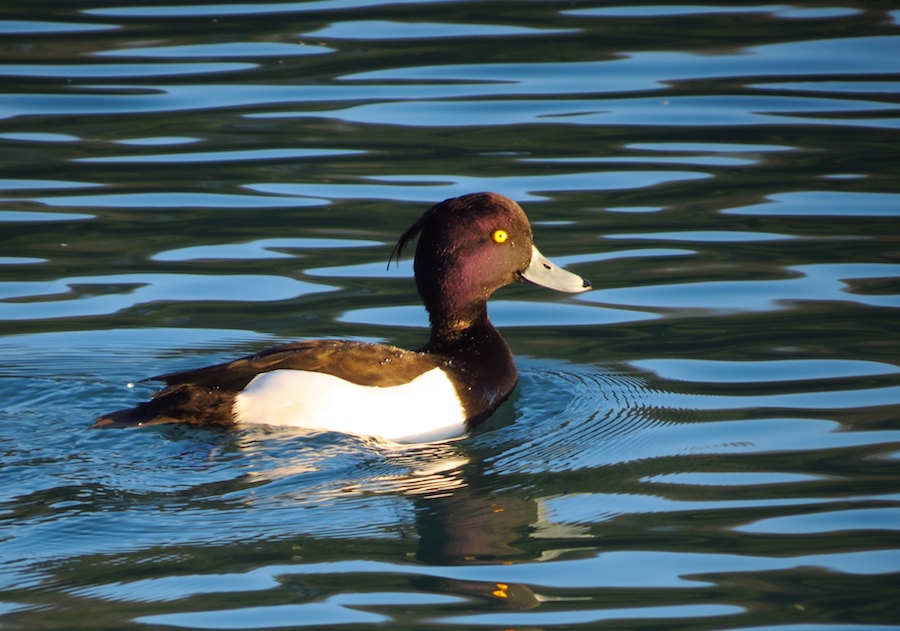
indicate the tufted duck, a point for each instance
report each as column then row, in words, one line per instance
column 468, row 247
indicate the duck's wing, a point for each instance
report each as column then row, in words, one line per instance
column 361, row 363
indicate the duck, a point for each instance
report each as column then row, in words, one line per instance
column 468, row 247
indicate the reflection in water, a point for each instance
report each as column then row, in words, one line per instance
column 471, row 526
column 456, row 522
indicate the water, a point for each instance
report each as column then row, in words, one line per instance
column 708, row 440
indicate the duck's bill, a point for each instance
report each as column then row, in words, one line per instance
column 544, row 273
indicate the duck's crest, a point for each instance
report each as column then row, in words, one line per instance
column 402, row 241
column 410, row 233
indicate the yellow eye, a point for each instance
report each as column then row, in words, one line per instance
column 500, row 236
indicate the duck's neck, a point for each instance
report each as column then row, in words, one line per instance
column 478, row 359
column 472, row 343
column 462, row 327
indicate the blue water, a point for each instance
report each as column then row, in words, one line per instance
column 710, row 439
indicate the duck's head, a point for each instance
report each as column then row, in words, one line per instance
column 469, row 247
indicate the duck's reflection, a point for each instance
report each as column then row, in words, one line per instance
column 460, row 516
column 460, row 521
column 470, row 526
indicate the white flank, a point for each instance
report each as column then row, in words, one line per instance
column 423, row 410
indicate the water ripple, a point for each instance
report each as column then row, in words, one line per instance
column 238, row 9
column 589, row 417
column 813, row 283
column 710, row 371
column 427, row 188
column 824, row 204
column 221, row 156
column 383, row 29
column 91, row 296
column 258, row 250
column 177, row 200
column 119, row 70
column 225, row 50
column 668, row 111
column 19, row 27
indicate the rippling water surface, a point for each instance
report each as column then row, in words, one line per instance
column 708, row 440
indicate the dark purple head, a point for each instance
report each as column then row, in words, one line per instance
column 469, row 247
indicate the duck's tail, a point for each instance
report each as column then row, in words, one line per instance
column 188, row 404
